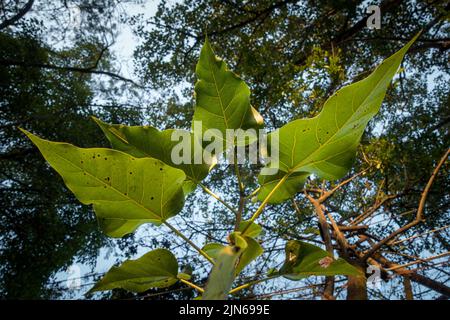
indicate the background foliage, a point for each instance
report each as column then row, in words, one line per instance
column 293, row 54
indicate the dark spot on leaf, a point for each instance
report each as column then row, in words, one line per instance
column 152, row 198
column 106, row 158
column 160, row 169
column 131, row 172
column 82, row 161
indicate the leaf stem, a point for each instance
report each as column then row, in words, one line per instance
column 254, row 192
column 190, row 284
column 265, row 201
column 241, row 193
column 215, row 196
column 192, row 244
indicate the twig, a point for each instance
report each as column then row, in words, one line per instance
column 190, row 284
column 445, row 254
column 192, row 244
column 419, row 214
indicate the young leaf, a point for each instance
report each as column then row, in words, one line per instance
column 249, row 251
column 155, row 269
column 222, row 275
column 222, row 98
column 326, row 144
column 125, row 191
column 213, row 249
column 304, row 259
column 146, row 141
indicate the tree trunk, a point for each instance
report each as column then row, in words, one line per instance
column 357, row 285
column 408, row 289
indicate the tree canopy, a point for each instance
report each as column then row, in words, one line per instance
column 293, row 55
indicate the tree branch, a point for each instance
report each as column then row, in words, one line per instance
column 22, row 12
column 419, row 214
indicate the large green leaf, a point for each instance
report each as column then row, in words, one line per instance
column 146, row 141
column 155, row 269
column 125, row 191
column 326, row 144
column 304, row 259
column 222, row 98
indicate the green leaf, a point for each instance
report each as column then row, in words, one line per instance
column 304, row 259
column 213, row 249
column 238, row 240
column 293, row 184
column 155, row 269
column 222, row 98
column 250, row 249
column 251, row 252
column 222, row 275
column 125, row 191
column 253, row 231
column 326, row 144
column 184, row 276
column 147, row 141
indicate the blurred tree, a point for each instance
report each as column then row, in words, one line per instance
column 49, row 89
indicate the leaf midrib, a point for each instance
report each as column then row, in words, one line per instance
column 321, row 146
column 218, row 94
column 150, row 156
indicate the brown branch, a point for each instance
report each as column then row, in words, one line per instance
column 327, row 194
column 413, row 276
column 22, row 12
column 408, row 289
column 419, row 214
column 256, row 16
column 329, row 281
column 89, row 70
column 386, row 6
